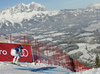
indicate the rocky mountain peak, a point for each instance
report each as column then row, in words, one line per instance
column 94, row 6
column 36, row 7
column 25, row 8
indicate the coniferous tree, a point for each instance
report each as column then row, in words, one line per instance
column 97, row 62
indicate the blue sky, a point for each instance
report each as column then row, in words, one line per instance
column 51, row 4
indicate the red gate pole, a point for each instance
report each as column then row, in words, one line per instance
column 75, row 64
column 38, row 51
column 58, row 56
column 33, row 47
column 27, row 41
column 58, row 60
column 53, row 54
column 61, row 56
column 47, row 53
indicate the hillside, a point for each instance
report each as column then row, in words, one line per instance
column 75, row 31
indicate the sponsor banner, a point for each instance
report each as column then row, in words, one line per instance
column 5, row 50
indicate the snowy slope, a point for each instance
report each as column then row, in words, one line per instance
column 91, row 71
column 31, row 68
column 87, row 54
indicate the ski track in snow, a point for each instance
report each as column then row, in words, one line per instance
column 31, row 68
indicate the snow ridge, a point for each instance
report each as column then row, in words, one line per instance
column 96, row 6
column 17, row 13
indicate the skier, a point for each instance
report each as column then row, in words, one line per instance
column 16, row 52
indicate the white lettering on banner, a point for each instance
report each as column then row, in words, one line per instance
column 24, row 53
column 4, row 52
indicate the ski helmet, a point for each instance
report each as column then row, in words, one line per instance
column 20, row 46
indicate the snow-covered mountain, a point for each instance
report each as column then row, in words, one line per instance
column 27, row 17
column 15, row 17
column 21, row 11
column 66, row 28
column 95, row 6
column 25, row 8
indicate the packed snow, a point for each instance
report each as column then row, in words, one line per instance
column 91, row 71
column 39, row 68
column 31, row 68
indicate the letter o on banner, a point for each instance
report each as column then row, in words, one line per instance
column 24, row 53
column 4, row 52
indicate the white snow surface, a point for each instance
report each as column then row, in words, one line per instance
column 39, row 68
column 86, row 54
column 18, row 17
column 31, row 68
column 97, row 6
column 18, row 13
column 90, row 71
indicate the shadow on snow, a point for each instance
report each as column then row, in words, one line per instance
column 39, row 69
column 42, row 69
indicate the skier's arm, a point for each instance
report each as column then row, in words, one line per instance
column 19, row 53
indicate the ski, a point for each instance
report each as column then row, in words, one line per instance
column 19, row 65
column 15, row 64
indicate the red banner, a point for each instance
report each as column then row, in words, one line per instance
column 5, row 49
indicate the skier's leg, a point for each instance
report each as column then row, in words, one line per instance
column 14, row 59
column 17, row 59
